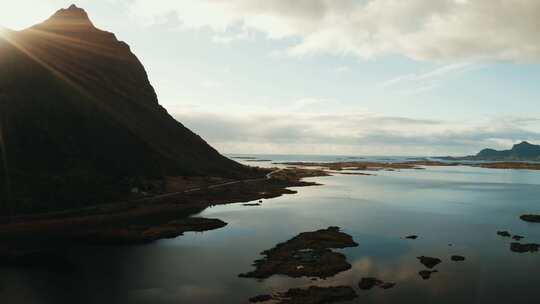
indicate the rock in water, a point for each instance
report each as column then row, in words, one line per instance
column 533, row 218
column 504, row 233
column 457, row 258
column 426, row 274
column 260, row 298
column 318, row 295
column 387, row 285
column 429, row 262
column 368, row 283
column 81, row 124
column 307, row 254
column 522, row 248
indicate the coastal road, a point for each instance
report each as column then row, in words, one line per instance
column 166, row 195
column 150, row 199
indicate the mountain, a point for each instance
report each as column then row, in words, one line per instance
column 80, row 122
column 523, row 151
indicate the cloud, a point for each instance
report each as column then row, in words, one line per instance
column 437, row 30
column 357, row 133
column 211, row 84
column 342, row 69
column 228, row 38
column 430, row 75
column 417, row 83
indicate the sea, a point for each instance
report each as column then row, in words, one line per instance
column 453, row 210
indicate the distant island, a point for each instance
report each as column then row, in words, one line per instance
column 523, row 151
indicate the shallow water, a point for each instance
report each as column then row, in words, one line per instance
column 462, row 206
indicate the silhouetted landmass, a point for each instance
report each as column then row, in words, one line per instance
column 523, row 151
column 80, row 123
column 143, row 220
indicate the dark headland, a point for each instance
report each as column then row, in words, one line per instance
column 523, row 151
column 88, row 153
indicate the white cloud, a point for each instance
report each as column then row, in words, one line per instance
column 436, row 30
column 416, row 83
column 228, row 37
column 211, row 84
column 357, row 133
column 430, row 75
column 342, row 69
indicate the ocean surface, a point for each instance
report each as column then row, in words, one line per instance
column 453, row 210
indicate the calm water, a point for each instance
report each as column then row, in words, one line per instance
column 461, row 206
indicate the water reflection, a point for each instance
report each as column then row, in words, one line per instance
column 461, row 206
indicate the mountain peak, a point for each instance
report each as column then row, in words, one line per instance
column 95, row 118
column 524, row 143
column 71, row 18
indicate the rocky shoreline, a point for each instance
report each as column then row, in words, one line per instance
column 307, row 254
column 416, row 165
column 148, row 219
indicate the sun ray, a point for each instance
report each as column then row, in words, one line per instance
column 69, row 74
column 77, row 43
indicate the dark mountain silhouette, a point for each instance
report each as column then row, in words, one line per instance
column 521, row 151
column 81, row 124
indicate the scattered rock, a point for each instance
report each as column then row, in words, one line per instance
column 317, row 295
column 307, row 254
column 457, row 258
column 429, row 262
column 517, row 237
column 533, row 218
column 412, row 237
column 368, row 283
column 260, row 298
column 504, row 233
column 522, row 248
column 387, row 285
column 426, row 274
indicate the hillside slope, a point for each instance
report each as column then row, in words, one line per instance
column 81, row 124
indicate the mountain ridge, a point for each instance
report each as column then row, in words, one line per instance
column 523, row 151
column 80, row 122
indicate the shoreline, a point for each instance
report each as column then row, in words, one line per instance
column 378, row 166
column 133, row 219
column 164, row 215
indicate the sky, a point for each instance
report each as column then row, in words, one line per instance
column 346, row 77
